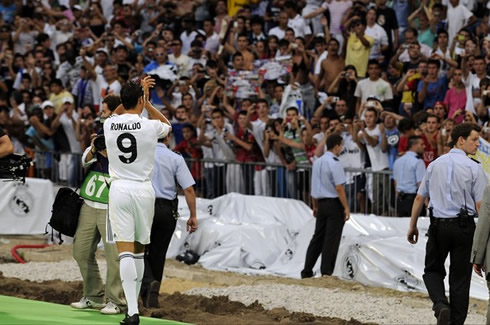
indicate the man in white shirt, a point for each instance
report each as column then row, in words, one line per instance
column 411, row 35
column 372, row 86
column 216, row 139
column 182, row 61
column 296, row 21
column 131, row 144
column 69, row 163
column 351, row 156
column 103, row 85
column 472, row 81
column 212, row 39
column 458, row 16
column 373, row 136
column 378, row 33
column 188, row 35
column 280, row 30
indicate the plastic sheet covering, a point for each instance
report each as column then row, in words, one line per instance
column 264, row 235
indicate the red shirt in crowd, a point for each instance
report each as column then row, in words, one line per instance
column 430, row 153
column 191, row 149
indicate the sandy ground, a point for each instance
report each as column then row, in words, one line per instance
column 199, row 309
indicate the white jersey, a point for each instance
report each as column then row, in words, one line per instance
column 131, row 144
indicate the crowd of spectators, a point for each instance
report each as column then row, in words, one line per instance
column 375, row 71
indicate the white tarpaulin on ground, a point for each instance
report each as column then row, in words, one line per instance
column 25, row 209
column 264, row 235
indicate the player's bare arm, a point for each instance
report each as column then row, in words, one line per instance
column 147, row 83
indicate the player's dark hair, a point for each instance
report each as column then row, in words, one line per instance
column 130, row 94
column 333, row 140
column 112, row 101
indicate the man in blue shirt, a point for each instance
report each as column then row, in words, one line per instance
column 455, row 185
column 432, row 89
column 170, row 171
column 330, row 208
column 408, row 172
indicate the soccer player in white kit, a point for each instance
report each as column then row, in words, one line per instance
column 131, row 143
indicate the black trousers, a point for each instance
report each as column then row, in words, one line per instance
column 326, row 238
column 404, row 204
column 453, row 239
column 162, row 230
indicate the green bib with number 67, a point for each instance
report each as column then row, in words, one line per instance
column 94, row 187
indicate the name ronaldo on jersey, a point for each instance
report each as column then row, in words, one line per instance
column 125, row 127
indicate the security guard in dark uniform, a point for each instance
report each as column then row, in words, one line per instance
column 330, row 208
column 408, row 172
column 455, row 185
column 170, row 170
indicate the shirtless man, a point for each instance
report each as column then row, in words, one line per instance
column 331, row 66
column 242, row 47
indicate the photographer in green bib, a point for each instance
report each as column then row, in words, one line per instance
column 92, row 227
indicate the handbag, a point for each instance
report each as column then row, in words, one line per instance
column 65, row 211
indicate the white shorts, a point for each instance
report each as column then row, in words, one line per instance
column 131, row 210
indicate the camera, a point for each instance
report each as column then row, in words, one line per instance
column 99, row 143
column 371, row 104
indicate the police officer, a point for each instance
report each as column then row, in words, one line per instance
column 330, row 208
column 170, row 170
column 455, row 184
column 408, row 172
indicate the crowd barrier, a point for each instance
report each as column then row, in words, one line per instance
column 368, row 192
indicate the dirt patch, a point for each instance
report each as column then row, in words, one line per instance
column 178, row 307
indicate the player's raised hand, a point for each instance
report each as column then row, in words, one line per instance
column 147, row 83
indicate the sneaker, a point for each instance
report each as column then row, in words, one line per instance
column 85, row 303
column 133, row 320
column 110, row 309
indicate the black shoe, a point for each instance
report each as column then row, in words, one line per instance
column 133, row 320
column 152, row 295
column 443, row 316
column 307, row 274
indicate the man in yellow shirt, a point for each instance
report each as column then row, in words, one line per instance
column 358, row 46
column 58, row 93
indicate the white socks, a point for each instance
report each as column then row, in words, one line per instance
column 139, row 262
column 129, row 279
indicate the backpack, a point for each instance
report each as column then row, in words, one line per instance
column 65, row 212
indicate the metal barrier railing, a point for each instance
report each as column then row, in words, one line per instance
column 60, row 168
column 367, row 191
